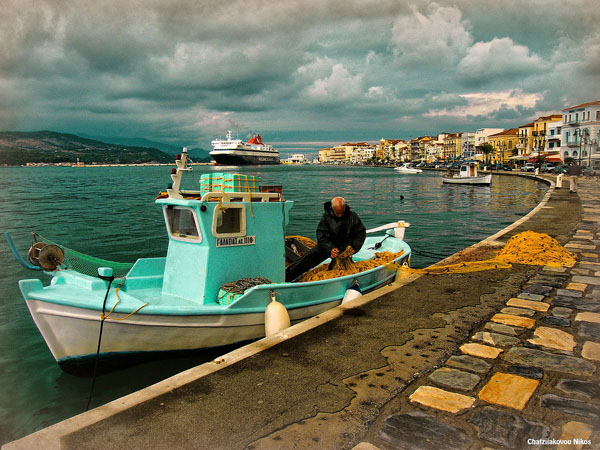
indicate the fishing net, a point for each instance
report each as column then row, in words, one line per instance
column 381, row 258
column 86, row 264
column 528, row 247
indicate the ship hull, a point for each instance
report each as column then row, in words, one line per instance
column 232, row 159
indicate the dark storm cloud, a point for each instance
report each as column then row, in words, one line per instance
column 185, row 70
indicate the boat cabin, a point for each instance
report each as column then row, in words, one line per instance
column 468, row 169
column 221, row 234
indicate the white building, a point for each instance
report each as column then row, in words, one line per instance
column 553, row 138
column 581, row 133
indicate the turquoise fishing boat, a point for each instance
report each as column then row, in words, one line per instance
column 224, row 267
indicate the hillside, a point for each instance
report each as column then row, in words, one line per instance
column 18, row 148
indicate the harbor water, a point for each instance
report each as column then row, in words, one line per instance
column 109, row 212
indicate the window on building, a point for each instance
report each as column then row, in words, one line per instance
column 597, row 115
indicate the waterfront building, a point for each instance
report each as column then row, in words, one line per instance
column 505, row 145
column 417, row 147
column 581, row 133
column 393, row 150
column 525, row 145
column 452, row 145
column 540, row 130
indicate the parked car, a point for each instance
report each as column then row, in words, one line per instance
column 529, row 167
column 547, row 167
column 560, row 169
column 506, row 167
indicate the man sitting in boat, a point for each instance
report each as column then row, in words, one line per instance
column 338, row 228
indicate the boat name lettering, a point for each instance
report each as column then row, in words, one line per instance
column 234, row 241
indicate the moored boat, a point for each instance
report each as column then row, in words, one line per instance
column 468, row 175
column 406, row 168
column 235, row 152
column 224, row 265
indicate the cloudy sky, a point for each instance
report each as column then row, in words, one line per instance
column 185, row 71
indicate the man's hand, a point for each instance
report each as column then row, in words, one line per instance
column 334, row 253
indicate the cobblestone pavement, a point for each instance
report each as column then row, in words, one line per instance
column 528, row 377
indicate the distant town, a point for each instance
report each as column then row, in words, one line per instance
column 573, row 134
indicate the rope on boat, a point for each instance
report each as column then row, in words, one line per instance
column 104, row 317
column 240, row 286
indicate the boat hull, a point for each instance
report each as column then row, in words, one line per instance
column 482, row 180
column 72, row 332
column 239, row 159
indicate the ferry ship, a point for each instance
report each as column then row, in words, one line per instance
column 235, row 152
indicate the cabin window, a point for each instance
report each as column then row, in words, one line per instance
column 182, row 223
column 229, row 221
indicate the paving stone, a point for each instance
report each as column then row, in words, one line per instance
column 568, row 293
column 517, row 311
column 539, row 289
column 588, row 389
column 495, row 339
column 563, row 313
column 528, row 304
column 588, row 317
column 549, row 361
column 517, row 321
column 417, row 430
column 442, row 400
column 526, row 371
column 579, row 246
column 589, row 256
column 576, row 303
column 571, row 406
column 530, row 296
column 505, row 329
column 546, row 281
column 455, row 379
column 589, row 330
column 508, row 430
column 480, row 350
column 553, row 338
column 587, row 280
column 576, row 287
column 555, row 269
column 591, row 350
column 574, row 432
column 509, row 390
column 556, row 321
column 580, row 271
column 469, row 363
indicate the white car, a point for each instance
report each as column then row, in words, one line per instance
column 529, row 167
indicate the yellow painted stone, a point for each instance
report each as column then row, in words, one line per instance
column 553, row 338
column 517, row 321
column 442, row 400
column 588, row 317
column 508, row 390
column 529, row 304
column 591, row 350
column 572, row 431
column 589, row 255
column 576, row 286
column 480, row 350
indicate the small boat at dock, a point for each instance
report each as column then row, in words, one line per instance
column 406, row 168
column 224, row 267
column 468, row 175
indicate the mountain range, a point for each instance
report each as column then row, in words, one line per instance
column 20, row 147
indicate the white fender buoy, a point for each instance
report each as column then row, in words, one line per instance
column 352, row 292
column 276, row 317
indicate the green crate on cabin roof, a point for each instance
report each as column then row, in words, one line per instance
column 235, row 182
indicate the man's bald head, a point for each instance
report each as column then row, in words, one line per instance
column 338, row 204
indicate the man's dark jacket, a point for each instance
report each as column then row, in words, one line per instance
column 339, row 232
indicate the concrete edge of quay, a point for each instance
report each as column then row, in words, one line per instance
column 50, row 437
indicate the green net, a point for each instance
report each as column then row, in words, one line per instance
column 87, row 264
